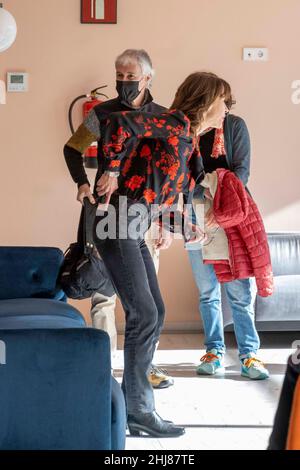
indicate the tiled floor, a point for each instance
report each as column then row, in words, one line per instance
column 221, row 412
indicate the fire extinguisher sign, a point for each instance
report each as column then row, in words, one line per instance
column 98, row 11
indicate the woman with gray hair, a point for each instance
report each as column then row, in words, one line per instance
column 166, row 163
column 134, row 73
column 130, row 88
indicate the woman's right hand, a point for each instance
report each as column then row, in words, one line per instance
column 85, row 191
column 163, row 240
column 210, row 220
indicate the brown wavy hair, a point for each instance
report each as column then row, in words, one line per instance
column 197, row 93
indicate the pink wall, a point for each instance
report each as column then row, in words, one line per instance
column 65, row 58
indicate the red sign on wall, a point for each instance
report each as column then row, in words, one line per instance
column 98, row 11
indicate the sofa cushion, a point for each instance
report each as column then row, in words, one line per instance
column 283, row 305
column 29, row 272
column 38, row 313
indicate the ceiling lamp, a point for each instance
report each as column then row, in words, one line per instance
column 8, row 29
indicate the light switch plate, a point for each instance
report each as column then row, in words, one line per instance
column 255, row 54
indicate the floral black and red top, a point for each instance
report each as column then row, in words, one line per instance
column 160, row 167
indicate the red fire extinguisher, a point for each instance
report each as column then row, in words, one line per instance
column 90, row 155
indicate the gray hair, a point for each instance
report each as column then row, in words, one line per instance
column 141, row 57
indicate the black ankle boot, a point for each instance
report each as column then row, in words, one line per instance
column 152, row 424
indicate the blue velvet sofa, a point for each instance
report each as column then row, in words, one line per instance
column 56, row 388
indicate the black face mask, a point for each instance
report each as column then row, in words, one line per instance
column 128, row 91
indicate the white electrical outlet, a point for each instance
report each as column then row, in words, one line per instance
column 255, row 54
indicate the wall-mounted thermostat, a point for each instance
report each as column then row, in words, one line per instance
column 17, row 81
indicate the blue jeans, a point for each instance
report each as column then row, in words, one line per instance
column 241, row 296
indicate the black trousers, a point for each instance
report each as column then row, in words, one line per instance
column 132, row 272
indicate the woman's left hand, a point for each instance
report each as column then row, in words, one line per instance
column 197, row 235
column 106, row 185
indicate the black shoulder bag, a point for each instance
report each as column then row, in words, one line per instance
column 83, row 271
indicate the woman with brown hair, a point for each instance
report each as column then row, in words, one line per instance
column 227, row 147
column 165, row 162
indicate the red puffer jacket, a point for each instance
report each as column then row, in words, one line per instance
column 237, row 213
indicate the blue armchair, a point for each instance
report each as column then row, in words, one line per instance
column 56, row 387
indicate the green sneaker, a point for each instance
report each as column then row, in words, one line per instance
column 253, row 368
column 211, row 363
